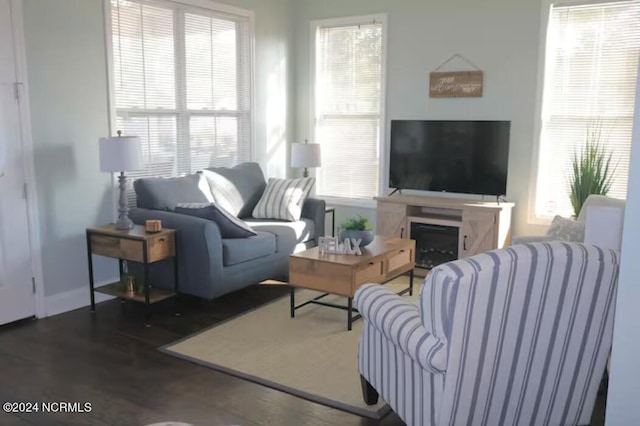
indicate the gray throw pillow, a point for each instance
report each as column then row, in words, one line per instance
column 564, row 229
column 283, row 199
column 236, row 189
column 166, row 193
column 230, row 226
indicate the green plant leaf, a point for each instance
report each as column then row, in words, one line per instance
column 358, row 223
column 591, row 168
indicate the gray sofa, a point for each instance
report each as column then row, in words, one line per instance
column 209, row 265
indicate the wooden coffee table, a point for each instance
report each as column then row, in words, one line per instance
column 383, row 260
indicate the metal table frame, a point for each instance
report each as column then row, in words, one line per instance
column 332, row 210
column 349, row 308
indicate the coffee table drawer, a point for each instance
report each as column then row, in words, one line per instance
column 320, row 276
column 401, row 259
column 372, row 272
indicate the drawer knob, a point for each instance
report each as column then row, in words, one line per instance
column 402, row 251
column 371, row 263
column 161, row 240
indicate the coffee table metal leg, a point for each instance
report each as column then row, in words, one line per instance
column 293, row 301
column 349, row 313
column 411, row 283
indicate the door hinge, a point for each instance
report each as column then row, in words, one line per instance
column 33, row 284
column 25, row 190
column 17, row 89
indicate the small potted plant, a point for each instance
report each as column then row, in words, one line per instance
column 359, row 228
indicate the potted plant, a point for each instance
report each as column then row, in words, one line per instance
column 357, row 227
column 591, row 170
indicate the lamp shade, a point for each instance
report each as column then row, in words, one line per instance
column 305, row 155
column 120, row 153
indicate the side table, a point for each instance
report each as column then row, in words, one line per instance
column 136, row 245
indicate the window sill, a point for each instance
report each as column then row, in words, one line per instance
column 540, row 220
column 348, row 202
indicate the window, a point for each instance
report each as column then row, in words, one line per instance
column 590, row 83
column 348, row 106
column 181, row 81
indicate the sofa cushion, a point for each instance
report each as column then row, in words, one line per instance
column 230, row 226
column 283, row 199
column 236, row 189
column 288, row 234
column 166, row 193
column 237, row 250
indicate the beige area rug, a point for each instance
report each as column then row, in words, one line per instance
column 312, row 356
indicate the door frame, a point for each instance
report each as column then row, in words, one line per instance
column 28, row 163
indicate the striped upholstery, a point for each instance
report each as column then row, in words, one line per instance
column 517, row 336
column 283, row 199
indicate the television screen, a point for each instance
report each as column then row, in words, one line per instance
column 467, row 157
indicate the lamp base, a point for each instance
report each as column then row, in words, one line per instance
column 124, row 223
column 123, row 211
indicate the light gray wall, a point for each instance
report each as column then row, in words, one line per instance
column 68, row 95
column 501, row 37
column 624, row 383
column 274, row 102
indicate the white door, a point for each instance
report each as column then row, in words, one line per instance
column 17, row 299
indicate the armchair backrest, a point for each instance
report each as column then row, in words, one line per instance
column 595, row 200
column 604, row 221
column 527, row 331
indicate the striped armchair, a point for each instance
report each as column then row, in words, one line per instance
column 517, row 336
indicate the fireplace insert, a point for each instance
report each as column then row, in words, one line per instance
column 435, row 244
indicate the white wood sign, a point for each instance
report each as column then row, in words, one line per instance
column 456, row 84
column 332, row 245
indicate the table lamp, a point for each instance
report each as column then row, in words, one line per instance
column 305, row 155
column 120, row 154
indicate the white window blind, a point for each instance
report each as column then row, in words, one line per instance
column 348, row 111
column 181, row 79
column 590, row 80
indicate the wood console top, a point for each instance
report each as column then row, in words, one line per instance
column 443, row 202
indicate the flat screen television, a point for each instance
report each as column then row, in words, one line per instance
column 467, row 157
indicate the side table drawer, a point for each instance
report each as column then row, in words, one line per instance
column 117, row 247
column 161, row 247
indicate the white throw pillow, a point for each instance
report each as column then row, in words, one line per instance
column 283, row 199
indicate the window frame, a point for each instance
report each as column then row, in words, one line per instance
column 532, row 217
column 195, row 5
column 383, row 146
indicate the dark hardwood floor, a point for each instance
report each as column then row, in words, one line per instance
column 110, row 359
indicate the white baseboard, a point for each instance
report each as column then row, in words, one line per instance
column 74, row 299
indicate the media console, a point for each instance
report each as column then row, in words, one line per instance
column 445, row 228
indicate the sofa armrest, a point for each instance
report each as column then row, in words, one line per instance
column 400, row 322
column 314, row 209
column 199, row 247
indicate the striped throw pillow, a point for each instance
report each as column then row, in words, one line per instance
column 283, row 199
